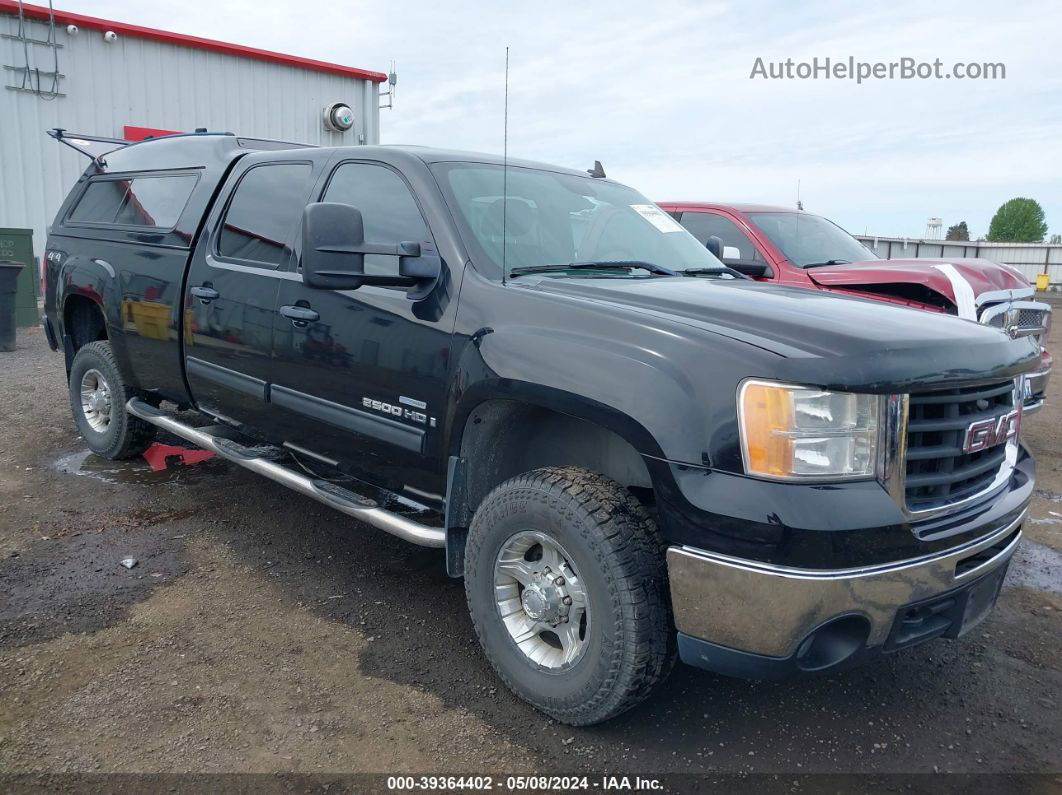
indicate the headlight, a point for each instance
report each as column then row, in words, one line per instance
column 798, row 432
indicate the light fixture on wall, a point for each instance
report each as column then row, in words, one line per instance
column 338, row 117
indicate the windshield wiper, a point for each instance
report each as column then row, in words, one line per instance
column 828, row 262
column 603, row 265
column 720, row 270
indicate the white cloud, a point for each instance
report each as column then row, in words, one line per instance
column 661, row 93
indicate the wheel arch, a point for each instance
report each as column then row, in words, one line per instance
column 84, row 321
column 89, row 289
column 509, row 428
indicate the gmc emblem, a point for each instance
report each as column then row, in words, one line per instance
column 988, row 433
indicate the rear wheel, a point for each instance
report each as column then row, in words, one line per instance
column 566, row 584
column 98, row 394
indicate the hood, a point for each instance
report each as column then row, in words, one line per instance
column 957, row 280
column 850, row 342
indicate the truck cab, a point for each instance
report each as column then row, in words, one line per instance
column 800, row 249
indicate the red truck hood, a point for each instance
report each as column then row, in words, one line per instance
column 982, row 275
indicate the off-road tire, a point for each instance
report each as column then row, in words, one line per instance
column 619, row 556
column 125, row 436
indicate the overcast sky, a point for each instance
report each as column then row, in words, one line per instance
column 660, row 93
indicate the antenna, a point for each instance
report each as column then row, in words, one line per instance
column 800, row 204
column 392, row 81
column 505, row 165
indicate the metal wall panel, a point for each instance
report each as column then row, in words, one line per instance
column 146, row 83
column 879, row 247
column 1029, row 258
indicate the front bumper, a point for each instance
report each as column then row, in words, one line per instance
column 750, row 618
column 1036, row 389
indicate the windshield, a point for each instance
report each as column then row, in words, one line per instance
column 811, row 239
column 547, row 218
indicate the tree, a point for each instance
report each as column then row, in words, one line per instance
column 1018, row 221
column 1055, row 239
column 958, row 232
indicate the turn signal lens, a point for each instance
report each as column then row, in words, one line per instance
column 795, row 432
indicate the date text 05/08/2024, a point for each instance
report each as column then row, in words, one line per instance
column 522, row 783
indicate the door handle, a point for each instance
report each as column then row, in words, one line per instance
column 207, row 294
column 300, row 315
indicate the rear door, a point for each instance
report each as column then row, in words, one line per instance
column 244, row 254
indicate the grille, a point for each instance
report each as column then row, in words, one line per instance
column 1028, row 318
column 938, row 471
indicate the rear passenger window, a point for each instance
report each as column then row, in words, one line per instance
column 264, row 212
column 154, row 202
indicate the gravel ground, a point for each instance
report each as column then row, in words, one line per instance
column 263, row 632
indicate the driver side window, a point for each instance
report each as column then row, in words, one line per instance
column 387, row 206
column 704, row 225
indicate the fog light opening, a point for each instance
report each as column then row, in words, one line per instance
column 832, row 643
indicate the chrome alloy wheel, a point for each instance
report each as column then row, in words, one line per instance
column 541, row 600
column 96, row 401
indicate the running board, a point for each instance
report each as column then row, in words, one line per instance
column 331, row 495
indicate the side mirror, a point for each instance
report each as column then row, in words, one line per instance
column 731, row 252
column 331, row 234
column 714, row 245
column 750, row 267
column 334, row 249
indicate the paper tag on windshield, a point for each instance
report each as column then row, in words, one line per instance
column 657, row 217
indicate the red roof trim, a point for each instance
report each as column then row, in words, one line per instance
column 143, row 133
column 181, row 40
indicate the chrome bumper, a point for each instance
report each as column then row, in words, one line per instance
column 1035, row 390
column 769, row 610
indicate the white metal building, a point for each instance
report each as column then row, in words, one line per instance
column 110, row 79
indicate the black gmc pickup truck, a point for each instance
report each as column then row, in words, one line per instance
column 626, row 449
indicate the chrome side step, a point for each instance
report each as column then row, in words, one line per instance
column 327, row 493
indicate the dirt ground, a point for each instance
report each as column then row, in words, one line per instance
column 262, row 632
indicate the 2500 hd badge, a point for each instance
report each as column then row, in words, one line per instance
column 401, row 411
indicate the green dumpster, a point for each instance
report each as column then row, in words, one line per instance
column 16, row 245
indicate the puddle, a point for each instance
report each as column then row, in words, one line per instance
column 135, row 471
column 76, row 583
column 1036, row 566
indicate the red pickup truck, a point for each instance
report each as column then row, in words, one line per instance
column 801, row 249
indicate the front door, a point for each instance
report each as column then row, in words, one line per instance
column 243, row 255
column 361, row 375
column 738, row 248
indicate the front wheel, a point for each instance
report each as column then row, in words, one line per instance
column 566, row 584
column 98, row 394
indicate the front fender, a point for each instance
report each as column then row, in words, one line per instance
column 668, row 390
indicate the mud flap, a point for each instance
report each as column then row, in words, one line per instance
column 457, row 518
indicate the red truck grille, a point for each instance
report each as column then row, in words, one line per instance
column 1028, row 318
column 938, row 471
